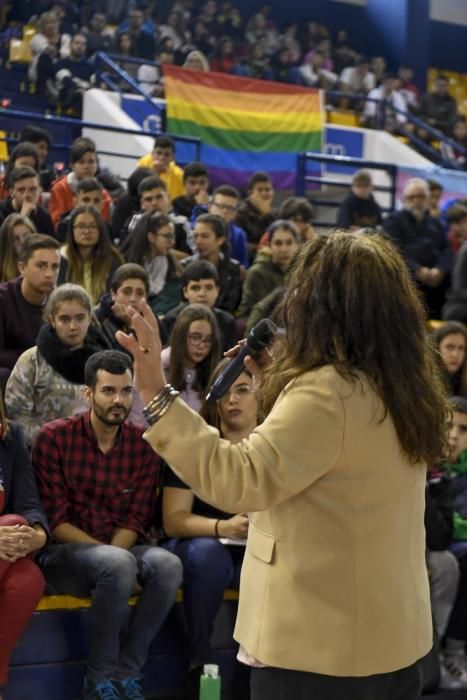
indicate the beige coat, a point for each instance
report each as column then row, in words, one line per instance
column 334, row 579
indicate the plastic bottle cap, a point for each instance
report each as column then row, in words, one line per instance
column 211, row 670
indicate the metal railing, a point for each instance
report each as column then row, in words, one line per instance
column 72, row 126
column 411, row 118
column 304, row 178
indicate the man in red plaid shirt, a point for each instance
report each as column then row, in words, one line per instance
column 98, row 478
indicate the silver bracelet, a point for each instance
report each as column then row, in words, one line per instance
column 160, row 404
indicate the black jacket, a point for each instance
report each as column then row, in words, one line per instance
column 439, row 511
column 40, row 217
column 356, row 211
column 19, row 484
column 422, row 243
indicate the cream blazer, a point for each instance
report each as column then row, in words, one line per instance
column 334, row 579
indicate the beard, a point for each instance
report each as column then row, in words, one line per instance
column 109, row 416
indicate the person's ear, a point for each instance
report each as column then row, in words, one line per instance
column 184, row 291
column 88, row 393
column 21, row 266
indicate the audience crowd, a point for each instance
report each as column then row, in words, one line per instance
column 78, row 251
column 213, row 35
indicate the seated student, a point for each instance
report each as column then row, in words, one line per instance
column 442, row 564
column 155, row 200
column 98, row 478
column 89, row 192
column 23, row 532
column 194, row 528
column 271, row 265
column 359, row 209
column 150, row 246
column 23, row 154
column 450, row 342
column 83, row 162
column 224, row 203
column 266, row 308
column 455, row 306
column 161, row 161
column 454, row 658
column 200, row 285
column 128, row 204
column 435, row 190
column 210, row 237
column 22, row 299
column 42, row 140
column 255, row 214
column 14, row 230
column 129, row 284
column 299, row 211
column 24, row 198
column 196, row 183
column 456, row 218
column 88, row 258
column 193, row 353
column 47, row 381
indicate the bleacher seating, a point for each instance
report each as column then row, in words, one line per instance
column 50, row 658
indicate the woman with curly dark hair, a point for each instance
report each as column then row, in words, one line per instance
column 334, row 594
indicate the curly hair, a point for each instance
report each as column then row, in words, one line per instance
column 352, row 304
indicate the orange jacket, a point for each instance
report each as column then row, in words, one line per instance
column 62, row 200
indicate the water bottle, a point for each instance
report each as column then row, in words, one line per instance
column 210, row 683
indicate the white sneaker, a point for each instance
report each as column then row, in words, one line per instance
column 453, row 671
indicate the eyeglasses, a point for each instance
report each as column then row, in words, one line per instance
column 240, row 392
column 419, row 195
column 167, row 236
column 86, row 227
column 197, row 339
column 224, row 207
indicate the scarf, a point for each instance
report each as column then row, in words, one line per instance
column 67, row 362
column 157, row 269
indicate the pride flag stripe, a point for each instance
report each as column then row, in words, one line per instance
column 244, row 124
column 240, row 119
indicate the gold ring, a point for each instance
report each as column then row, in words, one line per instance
column 143, row 349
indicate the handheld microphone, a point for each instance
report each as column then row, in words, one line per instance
column 258, row 338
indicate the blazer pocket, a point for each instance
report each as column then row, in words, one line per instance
column 261, row 544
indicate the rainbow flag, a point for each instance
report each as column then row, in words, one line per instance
column 244, row 124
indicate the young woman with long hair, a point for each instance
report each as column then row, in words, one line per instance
column 334, row 596
column 193, row 352
column 23, row 531
column 149, row 245
column 194, row 527
column 13, row 232
column 47, row 381
column 450, row 341
column 88, row 257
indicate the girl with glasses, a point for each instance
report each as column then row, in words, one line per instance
column 150, row 245
column 193, row 353
column 88, row 258
column 198, row 532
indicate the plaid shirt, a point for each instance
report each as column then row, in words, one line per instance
column 93, row 491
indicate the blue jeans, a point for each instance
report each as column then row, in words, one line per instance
column 209, row 567
column 119, row 635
